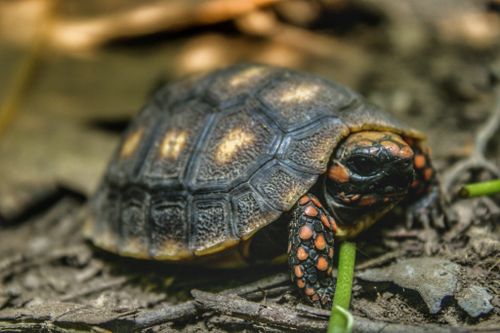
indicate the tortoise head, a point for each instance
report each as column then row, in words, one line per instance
column 369, row 173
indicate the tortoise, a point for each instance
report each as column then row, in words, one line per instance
column 253, row 164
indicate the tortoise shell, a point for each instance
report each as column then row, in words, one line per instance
column 211, row 160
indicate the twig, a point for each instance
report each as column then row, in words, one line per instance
column 188, row 309
column 477, row 159
column 297, row 319
column 381, row 259
column 272, row 315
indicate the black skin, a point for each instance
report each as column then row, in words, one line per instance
column 369, row 174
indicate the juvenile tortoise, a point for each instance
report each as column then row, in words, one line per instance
column 234, row 167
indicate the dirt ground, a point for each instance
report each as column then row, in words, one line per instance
column 67, row 93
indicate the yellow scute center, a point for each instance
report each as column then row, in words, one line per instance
column 172, row 144
column 131, row 143
column 245, row 75
column 231, row 143
column 304, row 92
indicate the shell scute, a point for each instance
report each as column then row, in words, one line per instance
column 239, row 143
column 296, row 100
column 280, row 185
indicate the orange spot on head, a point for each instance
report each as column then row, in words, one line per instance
column 298, row 271
column 365, row 143
column 322, row 264
column 320, row 242
column 300, row 283
column 302, row 253
column 428, row 174
column 392, row 147
column 309, row 291
column 316, row 201
column 338, row 173
column 367, row 200
column 311, row 211
column 305, row 232
column 303, row 200
column 406, row 152
column 419, row 161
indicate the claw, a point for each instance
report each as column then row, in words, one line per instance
column 427, row 211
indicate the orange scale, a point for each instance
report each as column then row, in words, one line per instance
column 309, row 291
column 298, row 271
column 316, row 201
column 428, row 174
column 325, row 221
column 302, row 253
column 305, row 199
column 419, row 161
column 322, row 264
column 305, row 232
column 311, row 211
column 319, row 242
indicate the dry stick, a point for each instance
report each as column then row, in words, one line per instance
column 269, row 314
column 477, row 160
column 298, row 319
column 188, row 309
column 381, row 259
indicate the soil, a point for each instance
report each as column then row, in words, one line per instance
column 422, row 64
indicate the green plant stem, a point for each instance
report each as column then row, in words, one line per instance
column 347, row 257
column 480, row 189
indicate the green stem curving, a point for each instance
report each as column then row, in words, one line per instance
column 339, row 320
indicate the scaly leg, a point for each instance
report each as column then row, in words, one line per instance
column 310, row 251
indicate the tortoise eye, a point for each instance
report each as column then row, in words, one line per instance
column 363, row 165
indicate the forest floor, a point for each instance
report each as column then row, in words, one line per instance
column 428, row 67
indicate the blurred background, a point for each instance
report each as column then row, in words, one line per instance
column 74, row 72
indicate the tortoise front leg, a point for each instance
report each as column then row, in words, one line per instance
column 310, row 251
